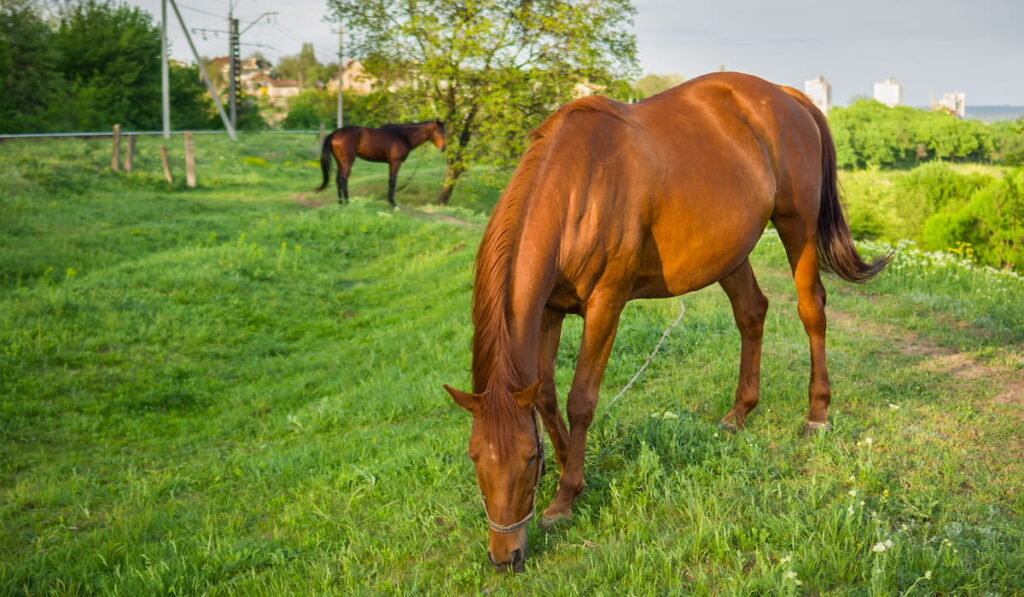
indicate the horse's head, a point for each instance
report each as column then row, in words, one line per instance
column 507, row 449
column 437, row 135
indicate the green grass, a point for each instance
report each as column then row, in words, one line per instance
column 223, row 391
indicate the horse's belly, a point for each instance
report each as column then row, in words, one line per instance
column 686, row 254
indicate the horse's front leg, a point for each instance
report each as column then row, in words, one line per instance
column 393, row 167
column 601, row 318
column 547, row 403
column 749, row 306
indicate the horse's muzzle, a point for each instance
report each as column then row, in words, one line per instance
column 517, row 562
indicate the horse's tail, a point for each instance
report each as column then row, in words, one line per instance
column 325, row 162
column 836, row 251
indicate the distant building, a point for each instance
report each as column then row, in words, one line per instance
column 889, row 92
column 820, row 92
column 251, row 71
column 954, row 103
column 357, row 80
column 278, row 92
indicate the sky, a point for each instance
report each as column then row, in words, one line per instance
column 929, row 46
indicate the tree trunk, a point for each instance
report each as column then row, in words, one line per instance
column 456, row 164
column 451, row 177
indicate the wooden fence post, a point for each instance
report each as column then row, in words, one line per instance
column 190, row 160
column 166, row 164
column 115, row 159
column 129, row 156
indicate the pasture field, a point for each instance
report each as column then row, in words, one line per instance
column 222, row 390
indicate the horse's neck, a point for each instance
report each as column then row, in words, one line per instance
column 507, row 314
column 416, row 136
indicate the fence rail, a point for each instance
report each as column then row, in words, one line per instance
column 110, row 133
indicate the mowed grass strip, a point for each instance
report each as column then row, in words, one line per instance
column 243, row 397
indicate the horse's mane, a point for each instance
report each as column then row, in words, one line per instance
column 410, row 131
column 407, row 124
column 496, row 367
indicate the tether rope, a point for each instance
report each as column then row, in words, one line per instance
column 650, row 358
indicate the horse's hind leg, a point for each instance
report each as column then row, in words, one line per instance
column 343, row 171
column 749, row 306
column 802, row 250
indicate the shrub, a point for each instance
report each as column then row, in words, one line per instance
column 992, row 222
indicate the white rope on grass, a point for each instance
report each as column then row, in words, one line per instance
column 650, row 358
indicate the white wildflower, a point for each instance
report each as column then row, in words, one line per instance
column 927, row 574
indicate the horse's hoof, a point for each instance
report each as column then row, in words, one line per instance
column 811, row 428
column 728, row 427
column 549, row 522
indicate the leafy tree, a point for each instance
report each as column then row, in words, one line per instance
column 371, row 109
column 868, row 133
column 27, row 68
column 304, row 68
column 311, row 107
column 217, row 73
column 654, row 84
column 249, row 112
column 110, row 56
column 490, row 69
column 1008, row 141
column 191, row 107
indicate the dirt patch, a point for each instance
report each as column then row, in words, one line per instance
column 961, row 367
column 939, row 359
column 308, row 200
column 437, row 217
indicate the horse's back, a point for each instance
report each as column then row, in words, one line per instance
column 675, row 190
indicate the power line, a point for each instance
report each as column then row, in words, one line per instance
column 200, row 11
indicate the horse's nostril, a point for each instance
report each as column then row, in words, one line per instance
column 497, row 566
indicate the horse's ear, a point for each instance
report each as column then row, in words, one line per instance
column 527, row 398
column 470, row 402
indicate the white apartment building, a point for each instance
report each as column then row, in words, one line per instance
column 955, row 102
column 820, row 92
column 889, row 92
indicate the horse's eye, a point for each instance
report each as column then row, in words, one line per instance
column 532, row 459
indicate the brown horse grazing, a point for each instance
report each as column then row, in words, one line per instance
column 613, row 202
column 390, row 143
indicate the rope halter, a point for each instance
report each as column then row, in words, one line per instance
column 511, row 528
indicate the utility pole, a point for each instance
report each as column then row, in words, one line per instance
column 234, row 55
column 206, row 77
column 341, row 76
column 165, row 85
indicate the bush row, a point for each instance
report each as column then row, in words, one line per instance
column 980, row 215
column 868, row 133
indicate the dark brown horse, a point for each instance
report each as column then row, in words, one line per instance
column 613, row 202
column 390, row 143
